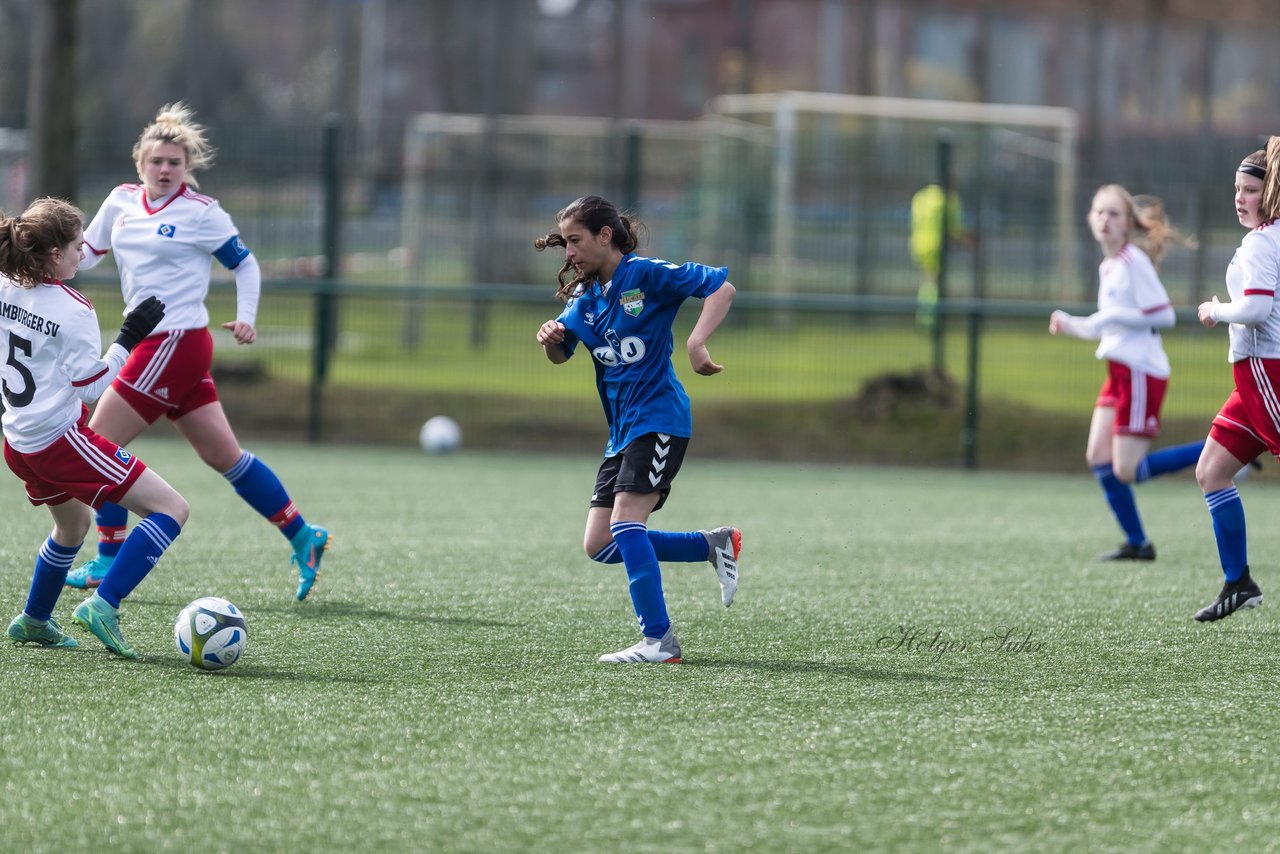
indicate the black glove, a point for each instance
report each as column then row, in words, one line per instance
column 139, row 323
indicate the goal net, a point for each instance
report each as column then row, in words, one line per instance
column 479, row 189
column 844, row 169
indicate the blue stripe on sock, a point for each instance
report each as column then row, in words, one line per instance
column 608, row 554
column 52, row 563
column 140, row 552
column 257, row 484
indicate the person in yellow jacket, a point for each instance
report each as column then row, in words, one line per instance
column 926, row 243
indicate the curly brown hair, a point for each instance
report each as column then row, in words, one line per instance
column 594, row 213
column 28, row 241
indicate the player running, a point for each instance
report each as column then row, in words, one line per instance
column 165, row 235
column 621, row 307
column 55, row 366
column 1249, row 421
column 1132, row 307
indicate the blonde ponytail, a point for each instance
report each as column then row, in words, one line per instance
column 1271, row 183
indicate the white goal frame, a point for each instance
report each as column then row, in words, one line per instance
column 784, row 108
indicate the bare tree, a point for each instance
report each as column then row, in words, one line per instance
column 51, row 99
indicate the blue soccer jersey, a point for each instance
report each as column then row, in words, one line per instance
column 627, row 327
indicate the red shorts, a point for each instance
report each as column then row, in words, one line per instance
column 168, row 374
column 1249, row 422
column 79, row 464
column 1137, row 398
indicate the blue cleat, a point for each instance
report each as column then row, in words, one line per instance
column 50, row 634
column 308, row 548
column 90, row 573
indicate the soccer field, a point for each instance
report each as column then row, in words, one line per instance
column 916, row 660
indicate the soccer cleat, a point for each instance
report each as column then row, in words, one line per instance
column 90, row 573
column 1129, row 551
column 724, row 545
column 50, row 634
column 103, row 625
column 308, row 548
column 663, row 650
column 1236, row 595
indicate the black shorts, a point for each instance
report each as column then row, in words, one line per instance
column 648, row 464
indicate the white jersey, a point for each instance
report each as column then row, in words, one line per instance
column 166, row 250
column 1255, row 272
column 1128, row 280
column 54, row 361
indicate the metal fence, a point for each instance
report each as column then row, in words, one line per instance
column 466, row 196
column 420, row 295
column 843, row 378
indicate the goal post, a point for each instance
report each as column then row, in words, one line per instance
column 1037, row 144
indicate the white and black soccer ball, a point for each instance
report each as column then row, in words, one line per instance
column 211, row 633
column 440, row 435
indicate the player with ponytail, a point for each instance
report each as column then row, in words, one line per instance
column 620, row 306
column 1133, row 233
column 1249, row 421
column 165, row 237
column 55, row 367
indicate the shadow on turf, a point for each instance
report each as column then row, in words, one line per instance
column 237, row 671
column 326, row 610
column 826, row 668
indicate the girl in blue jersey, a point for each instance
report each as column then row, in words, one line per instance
column 621, row 307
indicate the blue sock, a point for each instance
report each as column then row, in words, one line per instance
column 113, row 524
column 258, row 485
column 52, row 563
column 673, row 546
column 1227, row 512
column 1168, row 460
column 147, row 541
column 1120, row 497
column 646, row 578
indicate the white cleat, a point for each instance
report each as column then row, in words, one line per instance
column 663, row 650
column 724, row 545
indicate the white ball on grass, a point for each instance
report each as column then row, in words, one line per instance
column 211, row 633
column 440, row 435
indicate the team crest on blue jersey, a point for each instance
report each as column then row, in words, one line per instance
column 167, row 230
column 589, row 317
column 632, row 301
column 123, row 456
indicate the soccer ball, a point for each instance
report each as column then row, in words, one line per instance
column 440, row 435
column 210, row 633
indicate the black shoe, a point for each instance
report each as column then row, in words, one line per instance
column 1235, row 596
column 1129, row 551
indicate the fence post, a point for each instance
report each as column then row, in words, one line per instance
column 971, row 399
column 325, row 329
column 939, row 316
